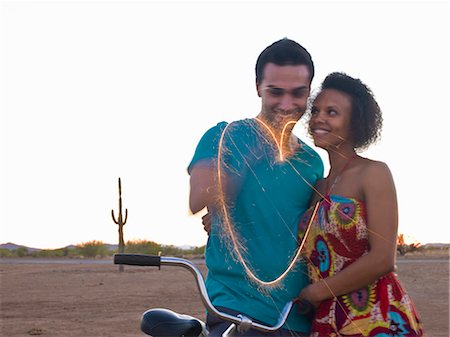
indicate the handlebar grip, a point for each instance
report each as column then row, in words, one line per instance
column 138, row 259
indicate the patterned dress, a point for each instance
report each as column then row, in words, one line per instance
column 338, row 236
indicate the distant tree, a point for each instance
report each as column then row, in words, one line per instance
column 403, row 247
column 92, row 249
column 198, row 250
column 5, row 252
column 21, row 251
column 171, row 250
column 153, row 248
column 59, row 252
column 142, row 247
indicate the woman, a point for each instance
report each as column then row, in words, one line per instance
column 351, row 234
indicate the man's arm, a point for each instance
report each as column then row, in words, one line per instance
column 203, row 182
column 203, row 170
column 206, row 190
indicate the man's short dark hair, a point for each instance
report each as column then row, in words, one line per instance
column 284, row 52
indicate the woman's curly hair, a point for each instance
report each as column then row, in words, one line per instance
column 366, row 119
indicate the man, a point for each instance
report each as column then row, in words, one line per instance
column 255, row 177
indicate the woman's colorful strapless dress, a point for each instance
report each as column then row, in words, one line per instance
column 338, row 236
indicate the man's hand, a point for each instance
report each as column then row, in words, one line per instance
column 206, row 221
column 309, row 294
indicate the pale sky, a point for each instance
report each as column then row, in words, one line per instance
column 92, row 91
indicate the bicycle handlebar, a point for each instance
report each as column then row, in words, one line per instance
column 157, row 261
column 138, row 259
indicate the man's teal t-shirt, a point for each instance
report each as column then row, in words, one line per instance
column 263, row 204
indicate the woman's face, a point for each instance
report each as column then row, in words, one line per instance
column 330, row 119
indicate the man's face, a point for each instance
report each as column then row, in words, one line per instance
column 284, row 91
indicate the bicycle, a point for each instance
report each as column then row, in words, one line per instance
column 159, row 322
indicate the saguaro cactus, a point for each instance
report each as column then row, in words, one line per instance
column 120, row 222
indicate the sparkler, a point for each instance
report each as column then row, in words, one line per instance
column 238, row 247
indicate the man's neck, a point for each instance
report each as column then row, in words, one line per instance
column 281, row 134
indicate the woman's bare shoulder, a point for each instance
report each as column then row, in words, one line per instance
column 375, row 172
column 370, row 166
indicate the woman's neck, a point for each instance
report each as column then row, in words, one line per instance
column 339, row 158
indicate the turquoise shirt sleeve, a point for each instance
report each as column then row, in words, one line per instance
column 208, row 146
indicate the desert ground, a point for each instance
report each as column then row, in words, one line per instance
column 92, row 298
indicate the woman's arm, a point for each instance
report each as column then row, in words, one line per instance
column 382, row 222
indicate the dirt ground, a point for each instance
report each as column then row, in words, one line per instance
column 80, row 298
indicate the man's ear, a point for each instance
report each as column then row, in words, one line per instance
column 258, row 89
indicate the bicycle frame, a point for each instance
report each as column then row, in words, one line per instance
column 240, row 323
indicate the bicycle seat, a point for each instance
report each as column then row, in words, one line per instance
column 166, row 323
